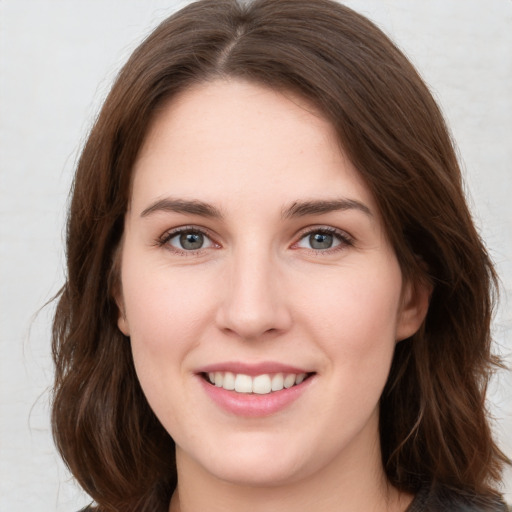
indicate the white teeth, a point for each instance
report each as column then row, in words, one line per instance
column 261, row 384
column 277, row 382
column 229, row 381
column 243, row 383
column 299, row 378
column 289, row 380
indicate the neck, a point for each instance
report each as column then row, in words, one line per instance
column 355, row 484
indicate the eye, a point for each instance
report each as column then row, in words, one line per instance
column 188, row 240
column 323, row 239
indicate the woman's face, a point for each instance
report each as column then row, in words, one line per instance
column 254, row 258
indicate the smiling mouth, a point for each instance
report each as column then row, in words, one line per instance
column 259, row 384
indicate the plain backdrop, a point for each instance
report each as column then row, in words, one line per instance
column 57, row 61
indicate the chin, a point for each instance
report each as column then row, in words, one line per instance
column 256, row 465
column 259, row 473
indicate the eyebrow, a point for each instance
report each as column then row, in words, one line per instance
column 319, row 207
column 297, row 209
column 192, row 207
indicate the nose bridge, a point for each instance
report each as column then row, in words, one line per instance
column 253, row 303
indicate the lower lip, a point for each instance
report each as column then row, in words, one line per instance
column 253, row 405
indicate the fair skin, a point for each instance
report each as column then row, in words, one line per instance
column 253, row 248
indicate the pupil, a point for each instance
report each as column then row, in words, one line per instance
column 320, row 241
column 191, row 241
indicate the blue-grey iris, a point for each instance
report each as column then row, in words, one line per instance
column 191, row 241
column 321, row 240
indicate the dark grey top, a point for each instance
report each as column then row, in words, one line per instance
column 432, row 499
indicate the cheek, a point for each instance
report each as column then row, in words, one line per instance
column 162, row 303
column 355, row 323
column 164, row 312
column 165, row 320
column 360, row 307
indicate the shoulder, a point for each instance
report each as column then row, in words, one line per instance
column 437, row 498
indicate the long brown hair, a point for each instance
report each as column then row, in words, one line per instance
column 433, row 424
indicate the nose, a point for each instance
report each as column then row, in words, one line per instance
column 254, row 302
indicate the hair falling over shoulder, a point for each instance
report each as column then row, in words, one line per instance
column 433, row 422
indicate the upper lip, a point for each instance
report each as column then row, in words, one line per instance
column 252, row 369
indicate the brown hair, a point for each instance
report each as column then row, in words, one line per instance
column 433, row 420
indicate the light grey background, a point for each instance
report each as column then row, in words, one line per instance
column 57, row 60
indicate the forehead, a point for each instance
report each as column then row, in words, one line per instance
column 230, row 139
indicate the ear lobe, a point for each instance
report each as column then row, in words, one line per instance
column 122, row 323
column 414, row 308
column 115, row 290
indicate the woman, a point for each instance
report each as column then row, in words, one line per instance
column 276, row 298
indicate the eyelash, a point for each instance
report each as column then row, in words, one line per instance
column 164, row 240
column 344, row 239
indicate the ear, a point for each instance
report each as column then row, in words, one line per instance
column 414, row 308
column 115, row 289
column 117, row 295
column 122, row 321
